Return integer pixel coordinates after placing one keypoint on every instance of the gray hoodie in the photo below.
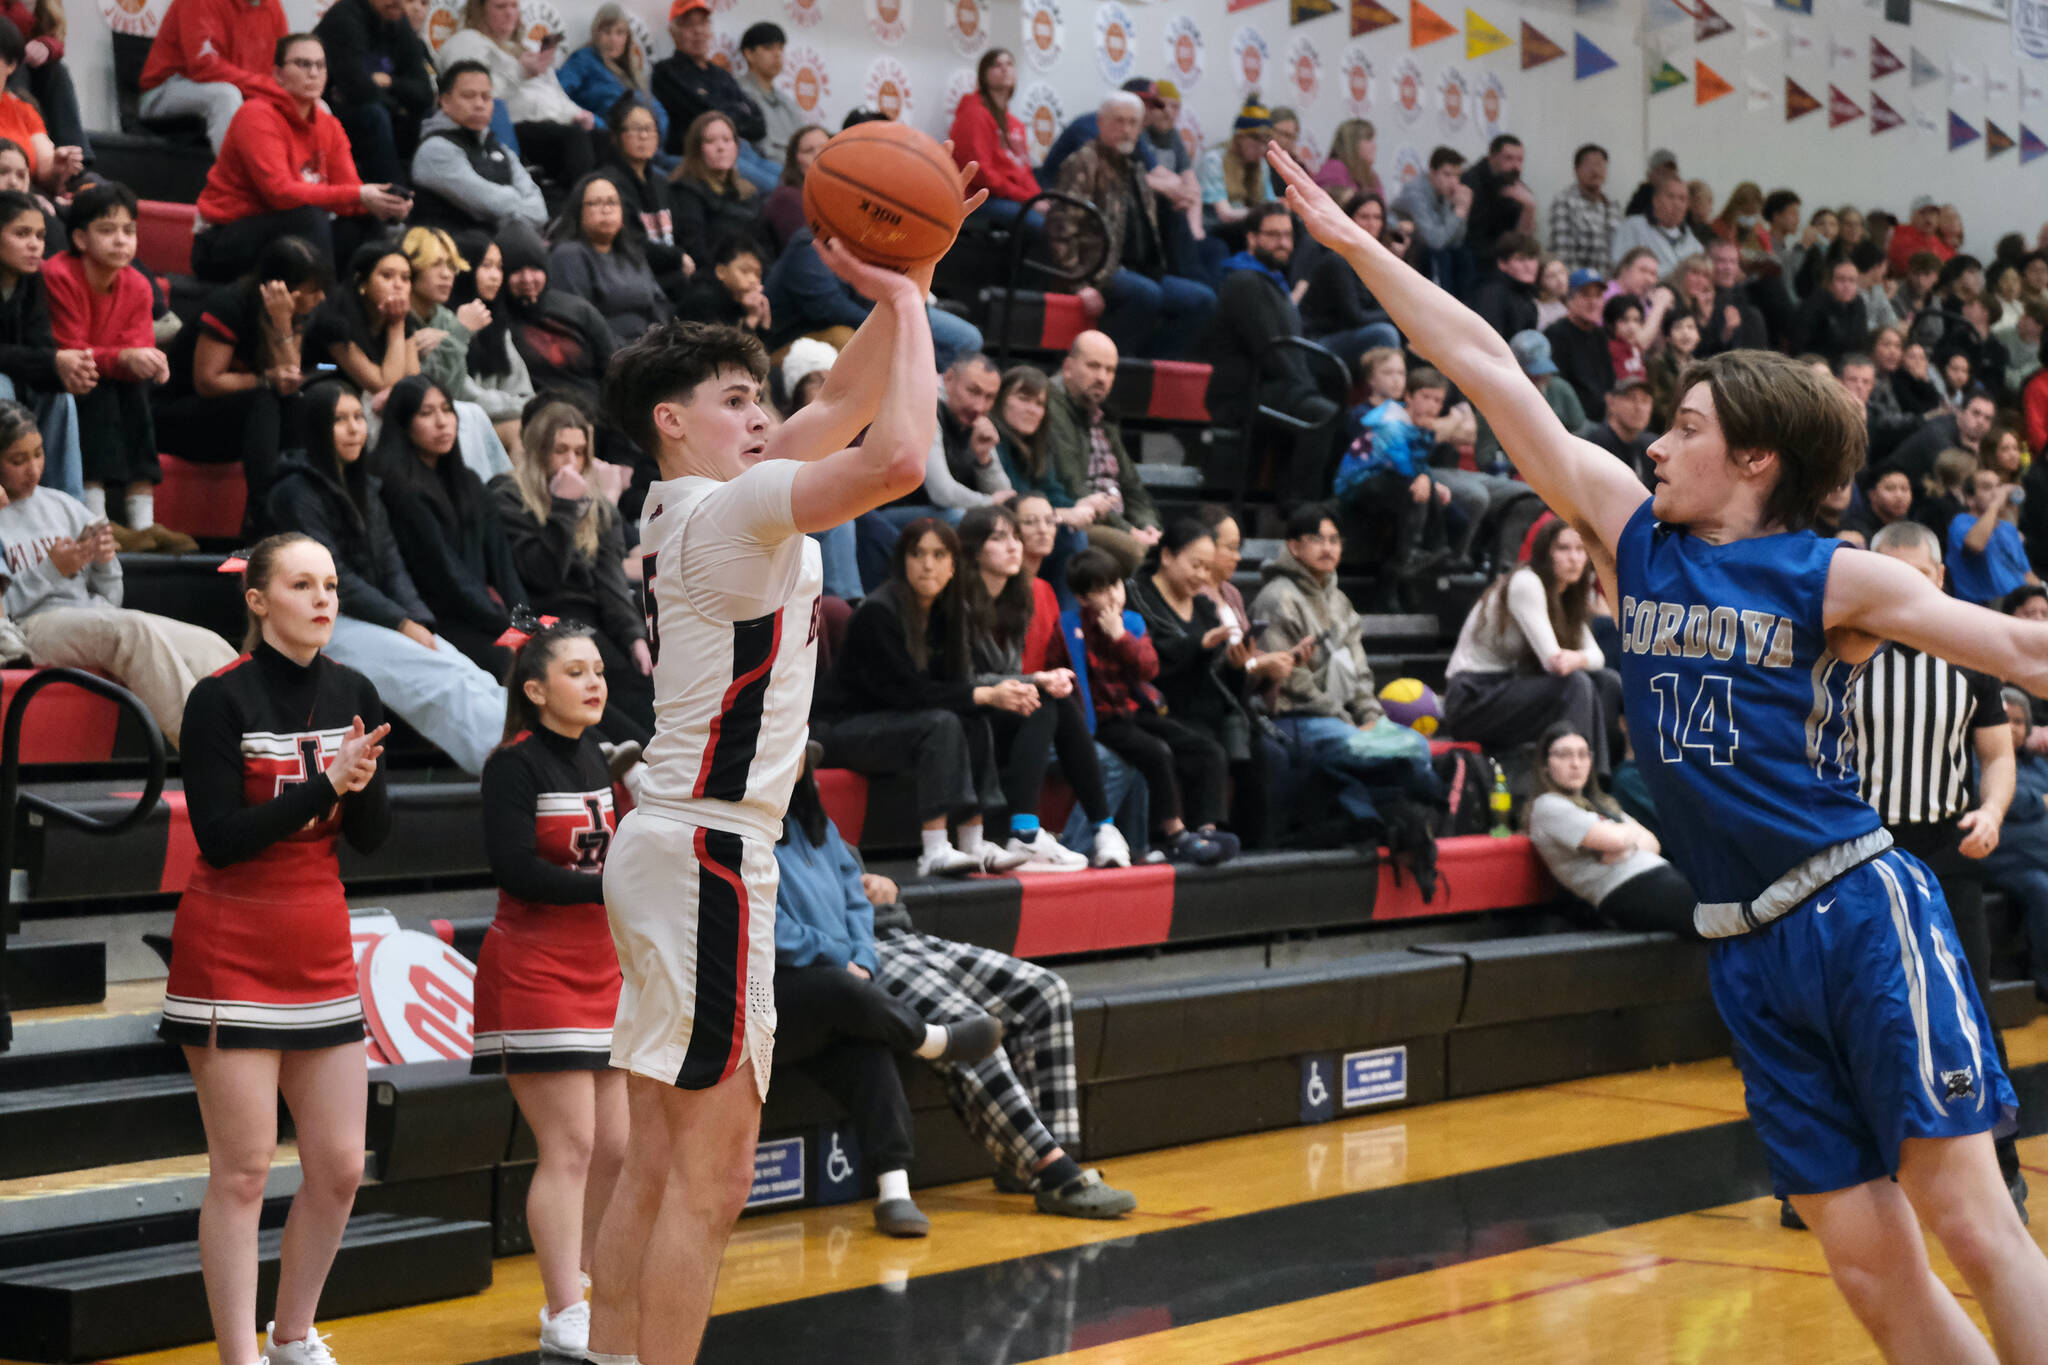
(1336, 681)
(28, 527)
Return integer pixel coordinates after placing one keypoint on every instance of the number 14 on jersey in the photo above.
(1704, 725)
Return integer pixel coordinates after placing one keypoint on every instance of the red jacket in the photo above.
(1908, 240)
(274, 160)
(2034, 403)
(230, 41)
(105, 324)
(22, 13)
(1004, 173)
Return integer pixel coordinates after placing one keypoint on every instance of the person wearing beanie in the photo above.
(804, 367)
(1233, 176)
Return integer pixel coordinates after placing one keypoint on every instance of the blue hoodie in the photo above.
(1244, 260)
(822, 917)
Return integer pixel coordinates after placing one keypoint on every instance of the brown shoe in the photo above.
(169, 542)
(130, 541)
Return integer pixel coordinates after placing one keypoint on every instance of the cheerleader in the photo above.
(547, 980)
(280, 756)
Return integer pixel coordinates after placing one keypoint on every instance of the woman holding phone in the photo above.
(553, 129)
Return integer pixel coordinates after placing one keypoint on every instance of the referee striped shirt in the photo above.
(1915, 717)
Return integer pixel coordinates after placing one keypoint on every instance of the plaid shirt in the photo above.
(1120, 671)
(1582, 233)
(1103, 470)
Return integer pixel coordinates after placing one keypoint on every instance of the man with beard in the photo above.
(1501, 203)
(1145, 308)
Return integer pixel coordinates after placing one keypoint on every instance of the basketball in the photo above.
(887, 191)
(1411, 702)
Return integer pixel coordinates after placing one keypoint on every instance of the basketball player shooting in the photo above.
(1865, 1051)
(733, 581)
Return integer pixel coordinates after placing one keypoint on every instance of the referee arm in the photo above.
(1998, 774)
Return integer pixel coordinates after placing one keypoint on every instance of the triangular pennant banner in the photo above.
(1756, 94)
(1997, 83)
(1587, 58)
(1924, 121)
(1924, 70)
(1960, 133)
(1842, 54)
(1962, 75)
(1883, 118)
(1798, 42)
(1708, 84)
(2031, 145)
(1666, 77)
(1482, 38)
(1301, 11)
(1841, 109)
(1709, 24)
(1798, 102)
(2033, 88)
(1664, 14)
(1757, 32)
(1426, 26)
(1883, 61)
(1996, 140)
(1369, 16)
(1537, 48)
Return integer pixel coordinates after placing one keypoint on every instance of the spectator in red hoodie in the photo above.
(285, 169)
(985, 131)
(209, 56)
(42, 74)
(1922, 232)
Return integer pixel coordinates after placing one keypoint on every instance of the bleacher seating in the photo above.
(163, 237)
(1040, 324)
(66, 724)
(205, 501)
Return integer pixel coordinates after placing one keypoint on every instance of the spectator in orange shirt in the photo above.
(209, 56)
(285, 170)
(52, 166)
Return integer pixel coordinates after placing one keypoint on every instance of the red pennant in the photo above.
(1709, 23)
(1798, 102)
(1883, 118)
(1841, 109)
(1537, 48)
(1369, 16)
(1883, 61)
(1426, 26)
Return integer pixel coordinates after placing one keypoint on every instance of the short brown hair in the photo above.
(1768, 402)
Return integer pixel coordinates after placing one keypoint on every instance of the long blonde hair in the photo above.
(1244, 182)
(627, 68)
(1345, 144)
(530, 471)
(473, 16)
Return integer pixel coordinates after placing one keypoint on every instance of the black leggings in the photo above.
(843, 1031)
(252, 425)
(1660, 899)
(564, 151)
(951, 757)
(1183, 768)
(1028, 743)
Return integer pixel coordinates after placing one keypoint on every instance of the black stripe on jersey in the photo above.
(1914, 716)
(719, 1022)
(736, 729)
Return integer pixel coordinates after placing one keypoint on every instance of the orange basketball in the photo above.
(887, 191)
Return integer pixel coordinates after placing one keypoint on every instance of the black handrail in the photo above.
(1020, 238)
(13, 800)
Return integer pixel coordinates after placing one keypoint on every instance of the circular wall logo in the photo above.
(805, 79)
(1304, 71)
(1042, 115)
(1115, 43)
(137, 18)
(1455, 99)
(1357, 79)
(890, 20)
(1249, 56)
(887, 88)
(1184, 52)
(1045, 32)
(967, 26)
(1408, 90)
(805, 13)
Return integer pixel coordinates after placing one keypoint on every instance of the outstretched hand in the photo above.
(1319, 213)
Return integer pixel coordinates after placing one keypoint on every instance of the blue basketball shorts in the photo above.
(1857, 1026)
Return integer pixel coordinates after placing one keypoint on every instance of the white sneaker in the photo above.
(948, 861)
(1043, 853)
(312, 1351)
(996, 858)
(1110, 848)
(567, 1331)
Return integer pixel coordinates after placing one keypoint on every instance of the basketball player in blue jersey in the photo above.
(732, 581)
(1865, 1052)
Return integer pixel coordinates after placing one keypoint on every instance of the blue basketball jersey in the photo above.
(1738, 711)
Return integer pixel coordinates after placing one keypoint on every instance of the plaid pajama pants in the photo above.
(1024, 1101)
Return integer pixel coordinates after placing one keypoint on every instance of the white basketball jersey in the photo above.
(732, 693)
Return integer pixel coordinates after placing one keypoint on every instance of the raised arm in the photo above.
(855, 385)
(1880, 597)
(1579, 481)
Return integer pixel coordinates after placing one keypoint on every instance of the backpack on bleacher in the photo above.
(1468, 785)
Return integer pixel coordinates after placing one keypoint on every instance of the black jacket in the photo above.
(375, 586)
(1583, 359)
(1830, 328)
(1252, 312)
(1337, 300)
(705, 218)
(650, 216)
(1917, 453)
(561, 580)
(1493, 215)
(872, 670)
(455, 561)
(1635, 454)
(1749, 335)
(1508, 305)
(28, 349)
(565, 342)
(686, 90)
(359, 45)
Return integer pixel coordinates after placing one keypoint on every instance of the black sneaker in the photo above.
(2018, 1188)
(972, 1040)
(1788, 1217)
(1190, 847)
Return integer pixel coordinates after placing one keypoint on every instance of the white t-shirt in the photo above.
(1557, 826)
(733, 587)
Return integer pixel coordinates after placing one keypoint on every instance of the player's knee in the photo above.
(1867, 1286)
(1980, 1237)
(237, 1177)
(333, 1181)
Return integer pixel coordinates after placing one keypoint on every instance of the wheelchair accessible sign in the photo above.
(1357, 1080)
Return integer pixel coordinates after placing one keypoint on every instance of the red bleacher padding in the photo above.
(1477, 872)
(845, 794)
(64, 724)
(204, 500)
(1179, 391)
(1085, 912)
(163, 238)
(1065, 319)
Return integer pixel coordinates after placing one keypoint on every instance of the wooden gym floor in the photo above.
(1619, 1219)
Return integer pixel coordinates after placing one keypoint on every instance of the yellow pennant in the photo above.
(1482, 37)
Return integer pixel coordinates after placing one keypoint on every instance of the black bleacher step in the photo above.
(98, 1123)
(44, 975)
(121, 1302)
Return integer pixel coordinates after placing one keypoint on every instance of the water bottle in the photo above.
(1500, 802)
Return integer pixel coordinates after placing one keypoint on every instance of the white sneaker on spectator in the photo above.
(947, 861)
(1110, 848)
(996, 858)
(1043, 853)
(567, 1331)
(311, 1351)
